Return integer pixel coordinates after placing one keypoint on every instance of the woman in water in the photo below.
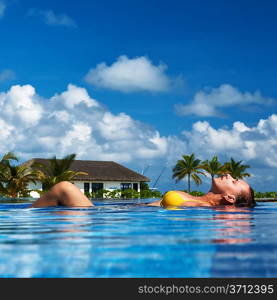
(225, 190)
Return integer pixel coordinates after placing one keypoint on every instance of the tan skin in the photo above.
(64, 194)
(224, 191)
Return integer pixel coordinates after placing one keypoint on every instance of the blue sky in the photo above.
(141, 82)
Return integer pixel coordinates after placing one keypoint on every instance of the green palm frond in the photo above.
(17, 180)
(56, 170)
(42, 169)
(9, 156)
(188, 167)
(196, 179)
(67, 161)
(213, 166)
(236, 169)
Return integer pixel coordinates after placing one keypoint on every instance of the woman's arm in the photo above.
(155, 203)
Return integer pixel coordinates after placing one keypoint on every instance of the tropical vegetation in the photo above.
(57, 170)
(236, 169)
(213, 167)
(192, 168)
(265, 194)
(144, 193)
(189, 167)
(14, 177)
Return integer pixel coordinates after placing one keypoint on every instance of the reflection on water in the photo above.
(236, 225)
(74, 221)
(119, 239)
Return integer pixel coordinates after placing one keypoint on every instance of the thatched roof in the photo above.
(99, 170)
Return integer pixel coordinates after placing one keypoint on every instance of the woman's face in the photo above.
(226, 184)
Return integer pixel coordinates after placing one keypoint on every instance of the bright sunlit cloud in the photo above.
(74, 122)
(241, 142)
(130, 75)
(208, 103)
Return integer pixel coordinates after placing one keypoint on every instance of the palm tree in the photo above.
(7, 157)
(5, 163)
(4, 170)
(190, 167)
(213, 167)
(14, 179)
(17, 182)
(236, 169)
(56, 171)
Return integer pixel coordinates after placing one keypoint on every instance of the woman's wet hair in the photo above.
(244, 200)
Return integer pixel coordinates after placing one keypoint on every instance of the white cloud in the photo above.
(20, 106)
(53, 19)
(256, 145)
(73, 122)
(130, 75)
(2, 9)
(158, 147)
(77, 137)
(7, 75)
(6, 130)
(74, 96)
(208, 103)
(118, 127)
(61, 115)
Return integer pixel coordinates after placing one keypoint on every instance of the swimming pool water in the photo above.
(123, 239)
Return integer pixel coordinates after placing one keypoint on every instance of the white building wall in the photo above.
(107, 185)
(112, 185)
(80, 184)
(32, 186)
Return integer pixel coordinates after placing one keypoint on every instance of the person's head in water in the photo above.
(233, 191)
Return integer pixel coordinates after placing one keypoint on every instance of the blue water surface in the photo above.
(125, 239)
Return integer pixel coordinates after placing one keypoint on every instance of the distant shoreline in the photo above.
(266, 199)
